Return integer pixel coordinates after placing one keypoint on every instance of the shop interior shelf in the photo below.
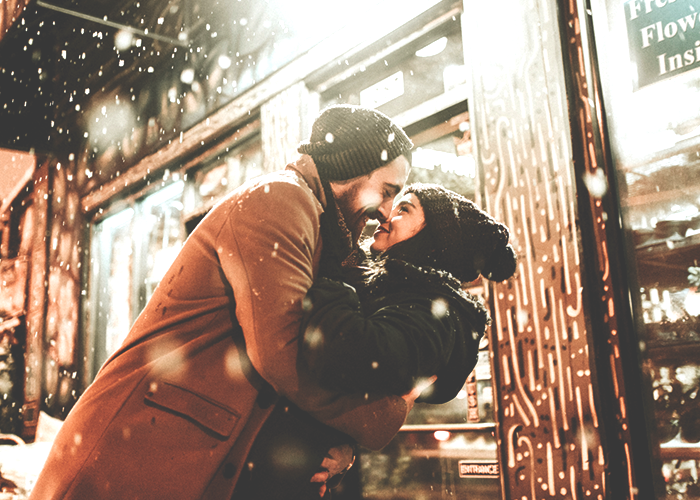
(679, 451)
(665, 262)
(670, 351)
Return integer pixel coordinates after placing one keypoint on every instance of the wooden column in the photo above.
(36, 303)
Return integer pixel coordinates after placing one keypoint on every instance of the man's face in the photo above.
(370, 196)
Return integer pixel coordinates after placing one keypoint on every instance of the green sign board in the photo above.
(664, 38)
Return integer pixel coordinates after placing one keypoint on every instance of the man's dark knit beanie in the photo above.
(351, 141)
(467, 241)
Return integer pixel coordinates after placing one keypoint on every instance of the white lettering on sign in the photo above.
(468, 468)
(663, 38)
(658, 32)
(636, 6)
(677, 61)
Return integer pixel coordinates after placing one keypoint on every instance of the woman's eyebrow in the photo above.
(405, 202)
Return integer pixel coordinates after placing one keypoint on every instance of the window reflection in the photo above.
(473, 404)
(161, 222)
(446, 160)
(112, 271)
(423, 75)
(227, 172)
(132, 250)
(430, 464)
(654, 134)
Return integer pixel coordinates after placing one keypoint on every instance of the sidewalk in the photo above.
(21, 463)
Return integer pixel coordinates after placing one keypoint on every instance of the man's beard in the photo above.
(355, 221)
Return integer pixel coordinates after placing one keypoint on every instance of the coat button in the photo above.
(229, 470)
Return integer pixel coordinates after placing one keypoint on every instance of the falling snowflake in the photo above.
(439, 308)
(596, 183)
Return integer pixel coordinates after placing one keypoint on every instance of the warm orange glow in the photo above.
(442, 435)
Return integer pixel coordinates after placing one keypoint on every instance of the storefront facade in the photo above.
(586, 385)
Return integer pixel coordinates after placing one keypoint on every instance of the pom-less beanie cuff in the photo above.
(351, 141)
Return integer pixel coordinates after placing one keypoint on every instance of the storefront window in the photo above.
(443, 155)
(429, 72)
(433, 464)
(112, 280)
(161, 225)
(227, 172)
(649, 64)
(132, 249)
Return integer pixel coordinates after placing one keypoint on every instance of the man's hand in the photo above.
(338, 460)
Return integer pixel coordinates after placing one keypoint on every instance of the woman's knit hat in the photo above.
(466, 240)
(351, 141)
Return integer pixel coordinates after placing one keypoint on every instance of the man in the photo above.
(175, 411)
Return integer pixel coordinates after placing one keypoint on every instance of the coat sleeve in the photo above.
(267, 251)
(386, 351)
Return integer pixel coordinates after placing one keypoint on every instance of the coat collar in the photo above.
(305, 167)
(393, 274)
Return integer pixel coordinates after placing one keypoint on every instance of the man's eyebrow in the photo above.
(393, 187)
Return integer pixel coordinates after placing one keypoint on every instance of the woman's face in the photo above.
(405, 221)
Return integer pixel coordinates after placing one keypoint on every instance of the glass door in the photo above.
(449, 450)
(649, 58)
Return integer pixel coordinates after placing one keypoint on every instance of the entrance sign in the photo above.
(664, 38)
(478, 468)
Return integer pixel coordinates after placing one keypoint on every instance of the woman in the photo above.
(387, 327)
(361, 339)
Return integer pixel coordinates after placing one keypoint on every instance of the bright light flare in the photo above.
(110, 123)
(224, 62)
(123, 40)
(442, 435)
(187, 76)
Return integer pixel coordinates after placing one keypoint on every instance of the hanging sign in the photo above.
(664, 38)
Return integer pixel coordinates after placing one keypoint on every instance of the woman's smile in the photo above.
(406, 220)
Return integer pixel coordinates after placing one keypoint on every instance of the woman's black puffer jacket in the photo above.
(397, 325)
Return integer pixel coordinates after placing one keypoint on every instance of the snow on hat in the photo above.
(467, 241)
(351, 141)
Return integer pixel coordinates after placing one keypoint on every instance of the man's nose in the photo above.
(384, 211)
(378, 214)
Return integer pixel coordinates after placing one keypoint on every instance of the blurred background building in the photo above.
(575, 123)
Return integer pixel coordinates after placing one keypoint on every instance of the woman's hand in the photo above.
(411, 397)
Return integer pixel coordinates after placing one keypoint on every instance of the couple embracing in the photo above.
(275, 344)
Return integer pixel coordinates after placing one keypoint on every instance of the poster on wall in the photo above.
(664, 38)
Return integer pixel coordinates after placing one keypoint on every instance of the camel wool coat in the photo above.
(173, 413)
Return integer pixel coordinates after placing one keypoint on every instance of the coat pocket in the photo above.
(205, 412)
